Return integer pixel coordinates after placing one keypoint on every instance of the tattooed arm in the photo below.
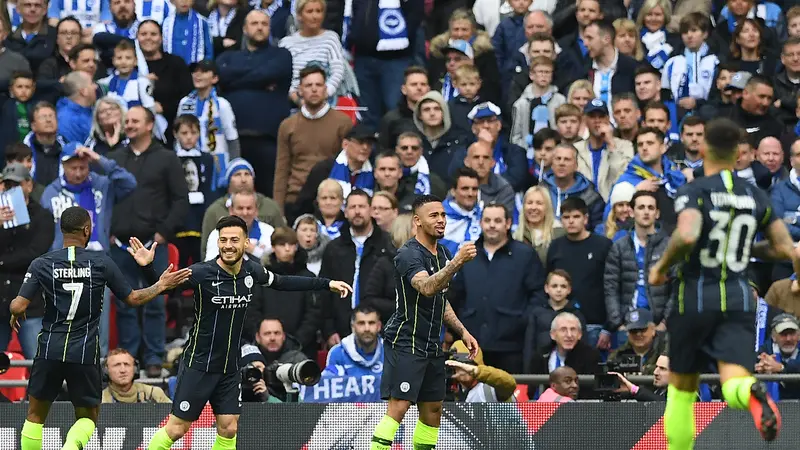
(429, 285)
(452, 321)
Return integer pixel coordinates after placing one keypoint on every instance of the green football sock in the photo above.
(425, 436)
(160, 441)
(679, 419)
(80, 433)
(223, 443)
(736, 392)
(384, 434)
(31, 438)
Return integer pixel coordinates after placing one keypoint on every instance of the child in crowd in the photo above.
(540, 152)
(468, 82)
(558, 287)
(330, 201)
(536, 107)
(16, 112)
(793, 21)
(186, 33)
(218, 134)
(568, 123)
(508, 38)
(689, 76)
(126, 82)
(311, 240)
(457, 53)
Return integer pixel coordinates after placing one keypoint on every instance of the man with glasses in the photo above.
(417, 178)
(787, 85)
(34, 38)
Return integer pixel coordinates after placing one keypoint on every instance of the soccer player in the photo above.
(73, 280)
(413, 367)
(209, 367)
(713, 317)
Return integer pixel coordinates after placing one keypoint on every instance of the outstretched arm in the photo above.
(169, 280)
(296, 283)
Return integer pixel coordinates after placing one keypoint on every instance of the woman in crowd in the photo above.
(620, 217)
(537, 224)
(108, 125)
(384, 209)
(225, 22)
(659, 44)
(380, 290)
(627, 39)
(462, 26)
(311, 240)
(330, 202)
(68, 36)
(313, 43)
(749, 50)
(580, 93)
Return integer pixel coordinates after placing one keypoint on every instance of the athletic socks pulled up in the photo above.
(80, 433)
(736, 392)
(425, 436)
(384, 434)
(160, 441)
(223, 443)
(31, 436)
(679, 419)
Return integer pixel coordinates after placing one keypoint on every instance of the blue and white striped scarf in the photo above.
(423, 183)
(500, 165)
(118, 85)
(128, 32)
(14, 16)
(191, 49)
(462, 226)
(364, 178)
(392, 29)
(692, 69)
(658, 50)
(217, 27)
(333, 231)
(449, 91)
(762, 330)
(347, 22)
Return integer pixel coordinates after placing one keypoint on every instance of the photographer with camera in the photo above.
(643, 340)
(254, 389)
(277, 347)
(120, 367)
(660, 383)
(479, 383)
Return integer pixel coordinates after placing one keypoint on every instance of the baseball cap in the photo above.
(783, 322)
(484, 110)
(69, 151)
(460, 46)
(739, 80)
(206, 65)
(362, 132)
(596, 105)
(16, 172)
(638, 319)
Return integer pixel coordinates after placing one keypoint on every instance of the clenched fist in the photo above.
(466, 253)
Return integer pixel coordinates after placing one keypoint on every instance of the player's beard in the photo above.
(238, 254)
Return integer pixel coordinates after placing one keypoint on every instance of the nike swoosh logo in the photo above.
(215, 284)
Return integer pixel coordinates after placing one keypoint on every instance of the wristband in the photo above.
(634, 389)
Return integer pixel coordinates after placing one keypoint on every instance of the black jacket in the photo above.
(160, 202)
(300, 312)
(394, 123)
(235, 31)
(541, 318)
(583, 358)
(18, 248)
(338, 263)
(379, 292)
(623, 79)
(174, 82)
(757, 127)
(786, 92)
(290, 353)
(38, 48)
(405, 190)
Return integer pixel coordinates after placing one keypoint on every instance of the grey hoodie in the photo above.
(437, 97)
(498, 190)
(521, 113)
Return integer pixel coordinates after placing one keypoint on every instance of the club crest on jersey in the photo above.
(248, 281)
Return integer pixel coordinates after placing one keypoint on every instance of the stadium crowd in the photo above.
(556, 131)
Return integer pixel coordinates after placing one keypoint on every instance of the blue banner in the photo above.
(346, 389)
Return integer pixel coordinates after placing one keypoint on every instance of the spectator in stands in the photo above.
(643, 340)
(311, 240)
(697, 60)
(125, 82)
(10, 60)
(75, 111)
(108, 125)
(46, 143)
(21, 153)
(770, 154)
(244, 204)
(462, 27)
(659, 44)
(557, 288)
(34, 38)
(16, 109)
(440, 141)
(785, 195)
(120, 367)
(493, 189)
(68, 32)
(384, 210)
(277, 346)
(280, 15)
(168, 73)
(602, 158)
(379, 291)
(162, 186)
(735, 12)
(254, 391)
(660, 382)
(536, 108)
(479, 382)
(612, 72)
(186, 33)
(537, 222)
(500, 316)
(388, 173)
(657, 115)
(467, 81)
(225, 23)
(351, 168)
(569, 123)
(330, 204)
(582, 255)
(463, 210)
(361, 352)
(586, 12)
(313, 134)
(627, 116)
(729, 85)
(580, 93)
(417, 178)
(563, 386)
(564, 181)
(539, 153)
(382, 50)
(351, 256)
(401, 119)
(299, 311)
(19, 246)
(749, 49)
(260, 74)
(240, 177)
(779, 355)
(565, 349)
(686, 153)
(508, 38)
(89, 13)
(620, 215)
(627, 39)
(753, 112)
(122, 26)
(83, 58)
(312, 45)
(786, 85)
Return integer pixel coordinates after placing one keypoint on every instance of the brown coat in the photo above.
(780, 296)
(301, 144)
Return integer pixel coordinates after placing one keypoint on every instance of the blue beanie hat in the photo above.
(236, 165)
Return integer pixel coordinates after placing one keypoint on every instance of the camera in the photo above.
(605, 382)
(305, 372)
(251, 374)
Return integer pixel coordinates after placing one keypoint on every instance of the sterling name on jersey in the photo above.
(220, 304)
(73, 281)
(417, 325)
(714, 276)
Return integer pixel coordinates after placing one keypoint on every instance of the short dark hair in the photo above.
(542, 37)
(655, 104)
(692, 121)
(21, 74)
(125, 45)
(17, 152)
(69, 19)
(465, 171)
(387, 154)
(639, 194)
(148, 114)
(424, 200)
(76, 51)
(723, 136)
(574, 204)
(283, 235)
(311, 69)
(189, 120)
(561, 273)
(40, 106)
(605, 27)
(151, 22)
(646, 68)
(544, 135)
(756, 80)
(645, 130)
(414, 70)
(363, 309)
(358, 193)
(494, 204)
(622, 96)
(730, 66)
(231, 221)
(73, 219)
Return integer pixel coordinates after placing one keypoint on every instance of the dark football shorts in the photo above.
(697, 341)
(84, 382)
(195, 388)
(412, 377)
